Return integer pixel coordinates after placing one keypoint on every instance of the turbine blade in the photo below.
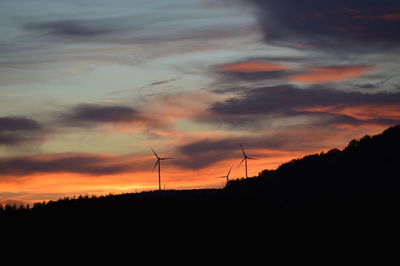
(241, 162)
(168, 158)
(244, 154)
(157, 162)
(250, 158)
(227, 176)
(155, 153)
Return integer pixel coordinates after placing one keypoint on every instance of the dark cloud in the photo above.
(160, 82)
(72, 28)
(226, 89)
(92, 114)
(329, 24)
(200, 154)
(355, 122)
(20, 130)
(65, 163)
(18, 124)
(254, 108)
(287, 99)
(367, 86)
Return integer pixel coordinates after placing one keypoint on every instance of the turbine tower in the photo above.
(158, 162)
(227, 176)
(245, 158)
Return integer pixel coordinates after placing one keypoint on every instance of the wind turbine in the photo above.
(158, 162)
(226, 176)
(245, 158)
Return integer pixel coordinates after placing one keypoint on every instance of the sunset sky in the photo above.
(88, 86)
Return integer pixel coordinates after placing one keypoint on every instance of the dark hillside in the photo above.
(365, 173)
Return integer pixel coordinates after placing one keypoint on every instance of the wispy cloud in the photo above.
(134, 29)
(160, 82)
(112, 101)
(74, 28)
(149, 85)
(330, 74)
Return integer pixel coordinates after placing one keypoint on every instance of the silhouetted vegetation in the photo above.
(365, 174)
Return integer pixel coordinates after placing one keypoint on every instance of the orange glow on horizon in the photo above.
(44, 186)
(52, 186)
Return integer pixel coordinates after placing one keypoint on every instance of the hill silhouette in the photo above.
(365, 174)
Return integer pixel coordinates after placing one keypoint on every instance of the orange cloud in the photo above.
(360, 112)
(253, 66)
(330, 74)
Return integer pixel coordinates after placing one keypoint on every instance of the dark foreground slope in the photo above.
(364, 175)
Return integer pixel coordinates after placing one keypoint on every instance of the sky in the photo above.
(88, 86)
